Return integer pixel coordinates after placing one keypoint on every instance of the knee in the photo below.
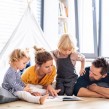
(61, 92)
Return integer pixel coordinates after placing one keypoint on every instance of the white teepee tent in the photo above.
(27, 34)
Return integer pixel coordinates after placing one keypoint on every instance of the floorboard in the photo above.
(86, 103)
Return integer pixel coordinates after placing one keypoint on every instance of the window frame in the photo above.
(87, 55)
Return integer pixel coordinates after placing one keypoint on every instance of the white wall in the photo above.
(51, 22)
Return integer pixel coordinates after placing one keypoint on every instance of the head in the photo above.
(19, 59)
(43, 60)
(66, 46)
(99, 69)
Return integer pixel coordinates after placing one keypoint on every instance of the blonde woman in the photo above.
(12, 81)
(66, 57)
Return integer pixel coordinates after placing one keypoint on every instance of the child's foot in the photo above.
(43, 98)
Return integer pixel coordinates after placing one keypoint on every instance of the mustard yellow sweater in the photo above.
(30, 77)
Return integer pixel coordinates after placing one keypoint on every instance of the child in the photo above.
(12, 81)
(66, 57)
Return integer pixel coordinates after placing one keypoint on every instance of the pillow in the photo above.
(6, 96)
(103, 84)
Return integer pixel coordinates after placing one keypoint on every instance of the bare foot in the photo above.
(43, 98)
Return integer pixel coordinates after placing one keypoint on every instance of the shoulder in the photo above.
(10, 71)
(78, 56)
(86, 75)
(55, 53)
(31, 67)
(29, 70)
(74, 56)
(87, 69)
(28, 73)
(106, 79)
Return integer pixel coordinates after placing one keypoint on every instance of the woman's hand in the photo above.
(52, 91)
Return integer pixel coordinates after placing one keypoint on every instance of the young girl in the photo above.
(66, 57)
(13, 83)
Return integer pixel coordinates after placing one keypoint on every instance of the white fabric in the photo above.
(37, 88)
(27, 96)
(27, 34)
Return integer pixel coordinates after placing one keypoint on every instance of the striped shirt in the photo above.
(12, 81)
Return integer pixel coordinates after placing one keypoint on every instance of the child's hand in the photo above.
(36, 93)
(27, 88)
(82, 71)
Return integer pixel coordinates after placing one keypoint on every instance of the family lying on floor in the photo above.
(35, 84)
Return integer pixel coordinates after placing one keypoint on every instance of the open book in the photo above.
(64, 98)
(71, 98)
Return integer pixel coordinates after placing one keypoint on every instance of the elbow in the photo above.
(79, 94)
(106, 96)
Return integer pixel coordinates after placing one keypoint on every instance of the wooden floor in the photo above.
(86, 103)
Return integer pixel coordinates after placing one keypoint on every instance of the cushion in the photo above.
(103, 84)
(6, 96)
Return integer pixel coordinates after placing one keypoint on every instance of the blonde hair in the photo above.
(66, 43)
(18, 54)
(42, 56)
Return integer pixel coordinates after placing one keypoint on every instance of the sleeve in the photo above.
(80, 57)
(83, 81)
(54, 54)
(14, 82)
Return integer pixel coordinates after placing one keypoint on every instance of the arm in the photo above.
(50, 80)
(84, 92)
(100, 90)
(51, 90)
(54, 54)
(82, 59)
(82, 70)
(79, 57)
(15, 81)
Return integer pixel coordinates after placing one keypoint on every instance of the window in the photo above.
(11, 12)
(86, 29)
(104, 28)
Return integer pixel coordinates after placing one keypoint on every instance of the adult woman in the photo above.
(42, 73)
